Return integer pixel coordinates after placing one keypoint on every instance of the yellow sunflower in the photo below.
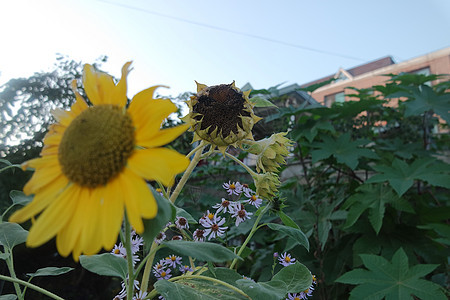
(94, 164)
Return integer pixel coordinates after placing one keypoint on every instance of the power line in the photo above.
(236, 32)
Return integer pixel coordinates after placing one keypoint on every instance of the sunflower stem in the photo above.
(10, 263)
(127, 243)
(250, 235)
(31, 286)
(188, 172)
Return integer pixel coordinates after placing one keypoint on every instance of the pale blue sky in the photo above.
(213, 42)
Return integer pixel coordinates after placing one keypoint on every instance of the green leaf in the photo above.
(195, 289)
(372, 197)
(4, 256)
(19, 198)
(203, 251)
(401, 176)
(50, 271)
(393, 280)
(8, 297)
(295, 233)
(343, 149)
(424, 99)
(261, 102)
(166, 213)
(105, 264)
(297, 277)
(272, 290)
(224, 274)
(287, 220)
(182, 213)
(12, 234)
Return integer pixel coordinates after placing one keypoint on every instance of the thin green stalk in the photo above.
(10, 264)
(148, 266)
(250, 235)
(127, 244)
(250, 171)
(31, 286)
(188, 172)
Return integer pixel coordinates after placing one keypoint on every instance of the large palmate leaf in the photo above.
(373, 197)
(391, 279)
(401, 176)
(425, 99)
(343, 149)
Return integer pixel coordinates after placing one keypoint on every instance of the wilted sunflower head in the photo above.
(266, 184)
(270, 151)
(221, 114)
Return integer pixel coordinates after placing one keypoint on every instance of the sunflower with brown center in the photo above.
(94, 165)
(221, 115)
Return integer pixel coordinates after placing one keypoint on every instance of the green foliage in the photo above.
(105, 264)
(11, 235)
(369, 177)
(202, 251)
(391, 280)
(50, 271)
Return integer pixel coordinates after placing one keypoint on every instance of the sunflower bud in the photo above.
(266, 184)
(221, 114)
(270, 151)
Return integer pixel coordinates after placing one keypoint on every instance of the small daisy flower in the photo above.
(185, 268)
(233, 188)
(248, 278)
(160, 237)
(213, 227)
(136, 243)
(199, 235)
(241, 215)
(294, 296)
(181, 223)
(286, 259)
(164, 274)
(224, 206)
(140, 295)
(275, 255)
(159, 267)
(119, 250)
(177, 238)
(252, 199)
(172, 261)
(206, 218)
(123, 292)
(245, 189)
(160, 191)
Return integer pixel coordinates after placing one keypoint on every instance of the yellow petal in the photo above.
(53, 218)
(131, 203)
(120, 93)
(99, 86)
(40, 201)
(159, 164)
(162, 137)
(111, 212)
(148, 113)
(43, 176)
(90, 237)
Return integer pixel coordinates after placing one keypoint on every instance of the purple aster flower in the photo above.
(172, 261)
(164, 274)
(181, 223)
(184, 269)
(214, 227)
(199, 235)
(233, 188)
(241, 215)
(286, 259)
(224, 206)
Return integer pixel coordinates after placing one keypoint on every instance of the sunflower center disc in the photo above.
(221, 108)
(96, 145)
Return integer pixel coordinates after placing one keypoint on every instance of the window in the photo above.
(337, 97)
